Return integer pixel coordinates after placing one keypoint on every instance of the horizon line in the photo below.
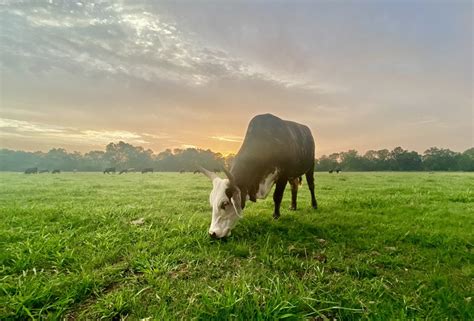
(216, 152)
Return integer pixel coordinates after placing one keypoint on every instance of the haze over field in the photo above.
(362, 75)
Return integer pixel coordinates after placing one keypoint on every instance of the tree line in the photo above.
(399, 159)
(123, 156)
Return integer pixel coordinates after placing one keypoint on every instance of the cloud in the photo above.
(58, 134)
(233, 139)
(120, 39)
(28, 127)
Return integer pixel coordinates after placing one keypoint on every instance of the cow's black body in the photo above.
(274, 144)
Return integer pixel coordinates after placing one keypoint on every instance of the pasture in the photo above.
(380, 246)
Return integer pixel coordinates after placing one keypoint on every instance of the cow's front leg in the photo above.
(278, 195)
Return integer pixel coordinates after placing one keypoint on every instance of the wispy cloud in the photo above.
(122, 39)
(425, 121)
(34, 130)
(28, 127)
(233, 139)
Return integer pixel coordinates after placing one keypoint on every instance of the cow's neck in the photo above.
(253, 178)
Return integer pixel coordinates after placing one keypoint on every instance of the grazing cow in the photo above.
(110, 170)
(196, 171)
(123, 171)
(182, 171)
(56, 171)
(331, 171)
(32, 170)
(338, 170)
(147, 170)
(44, 171)
(274, 151)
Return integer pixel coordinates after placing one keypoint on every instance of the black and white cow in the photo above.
(147, 170)
(274, 151)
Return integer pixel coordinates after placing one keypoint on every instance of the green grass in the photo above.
(381, 246)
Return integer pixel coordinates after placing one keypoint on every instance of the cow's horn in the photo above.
(209, 174)
(229, 175)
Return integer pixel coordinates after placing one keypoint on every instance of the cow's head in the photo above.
(225, 199)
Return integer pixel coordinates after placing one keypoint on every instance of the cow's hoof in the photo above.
(276, 216)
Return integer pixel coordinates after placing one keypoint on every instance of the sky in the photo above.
(176, 74)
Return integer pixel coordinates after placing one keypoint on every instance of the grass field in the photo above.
(381, 246)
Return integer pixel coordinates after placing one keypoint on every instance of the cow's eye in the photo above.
(224, 204)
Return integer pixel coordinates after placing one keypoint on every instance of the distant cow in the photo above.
(182, 171)
(32, 170)
(44, 171)
(110, 170)
(274, 151)
(331, 171)
(338, 170)
(196, 171)
(56, 171)
(123, 171)
(147, 170)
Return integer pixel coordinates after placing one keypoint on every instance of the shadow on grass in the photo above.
(292, 230)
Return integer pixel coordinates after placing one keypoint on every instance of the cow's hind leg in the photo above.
(310, 180)
(294, 183)
(278, 195)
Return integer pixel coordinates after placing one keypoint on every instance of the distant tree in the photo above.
(440, 159)
(56, 158)
(403, 160)
(466, 160)
(327, 163)
(370, 160)
(383, 159)
(351, 160)
(18, 160)
(94, 161)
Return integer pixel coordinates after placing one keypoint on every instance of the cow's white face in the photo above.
(226, 207)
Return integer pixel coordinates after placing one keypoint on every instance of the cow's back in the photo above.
(273, 142)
